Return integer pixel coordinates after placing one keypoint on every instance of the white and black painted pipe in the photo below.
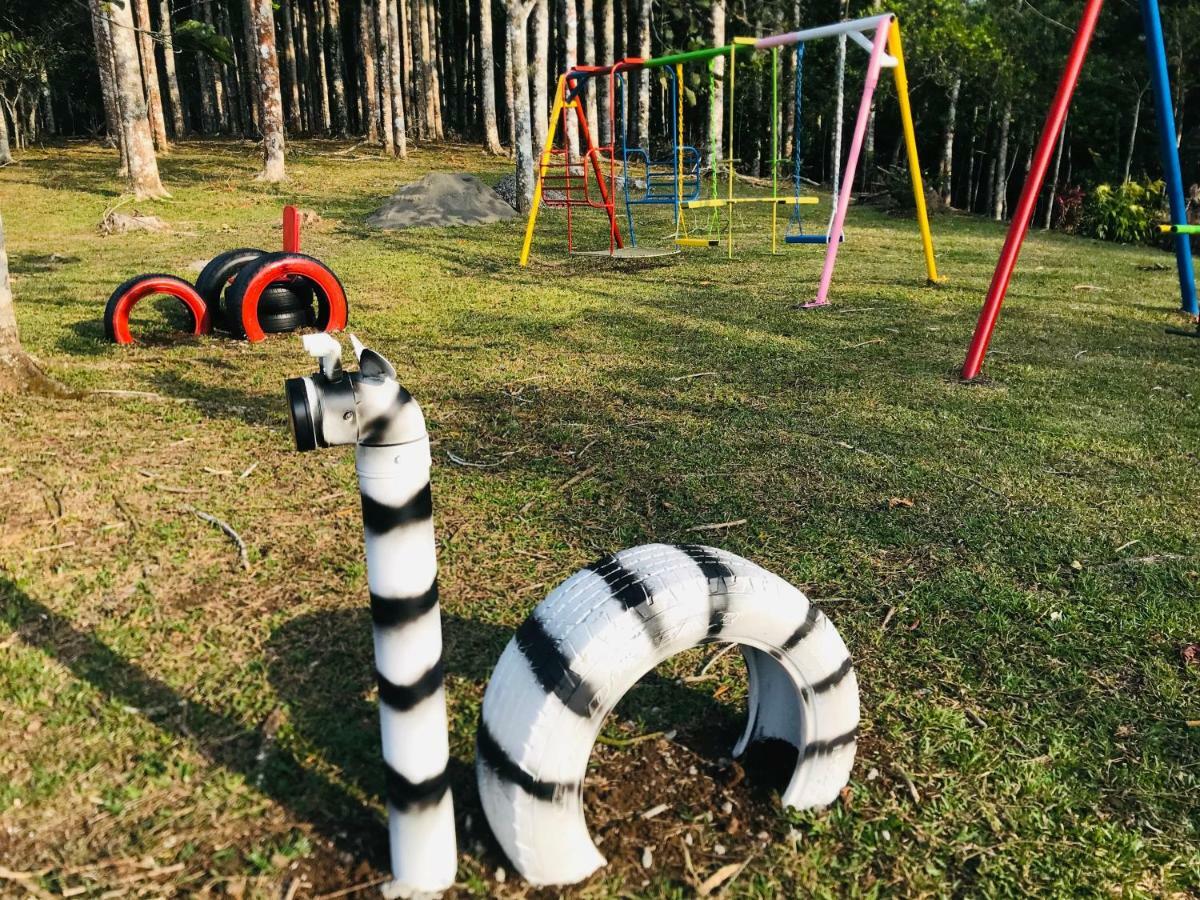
(371, 410)
(604, 628)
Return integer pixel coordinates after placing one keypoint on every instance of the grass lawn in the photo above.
(1014, 565)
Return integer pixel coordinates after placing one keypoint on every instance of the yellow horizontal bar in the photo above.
(782, 201)
(745, 40)
(698, 242)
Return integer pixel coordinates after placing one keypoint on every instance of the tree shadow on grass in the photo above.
(221, 737)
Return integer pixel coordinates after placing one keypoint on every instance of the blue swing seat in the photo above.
(810, 238)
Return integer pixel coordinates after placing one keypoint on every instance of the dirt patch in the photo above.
(439, 200)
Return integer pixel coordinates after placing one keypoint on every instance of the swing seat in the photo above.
(697, 242)
(810, 238)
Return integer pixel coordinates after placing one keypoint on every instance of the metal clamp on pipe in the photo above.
(371, 410)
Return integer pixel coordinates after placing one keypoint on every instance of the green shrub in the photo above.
(1125, 214)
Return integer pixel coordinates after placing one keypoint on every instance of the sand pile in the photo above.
(440, 199)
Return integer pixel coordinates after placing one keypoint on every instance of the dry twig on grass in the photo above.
(718, 526)
(243, 555)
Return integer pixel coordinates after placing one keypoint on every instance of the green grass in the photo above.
(1013, 565)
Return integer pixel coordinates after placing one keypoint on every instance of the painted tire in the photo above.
(127, 295)
(241, 299)
(605, 627)
(283, 322)
(220, 271)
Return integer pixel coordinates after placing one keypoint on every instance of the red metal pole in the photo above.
(291, 229)
(1029, 193)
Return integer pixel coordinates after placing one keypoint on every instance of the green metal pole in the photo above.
(774, 143)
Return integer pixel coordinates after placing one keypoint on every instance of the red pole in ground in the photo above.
(1029, 193)
(291, 229)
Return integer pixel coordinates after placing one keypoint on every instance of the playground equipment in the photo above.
(565, 178)
(245, 292)
(566, 667)
(1156, 57)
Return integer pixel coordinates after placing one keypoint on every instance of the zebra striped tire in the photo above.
(130, 293)
(605, 627)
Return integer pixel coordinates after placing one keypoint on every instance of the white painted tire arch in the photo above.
(605, 627)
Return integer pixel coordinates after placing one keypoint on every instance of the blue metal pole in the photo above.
(1156, 55)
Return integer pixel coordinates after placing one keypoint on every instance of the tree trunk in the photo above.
(839, 105)
(214, 71)
(643, 76)
(108, 89)
(518, 15)
(384, 75)
(1058, 153)
(17, 371)
(178, 120)
(946, 164)
(510, 103)
(1001, 189)
(316, 42)
(588, 58)
(1133, 130)
(145, 42)
(294, 118)
(418, 90)
(135, 121)
(251, 103)
(236, 81)
(541, 49)
(304, 68)
(46, 100)
(716, 103)
(5, 149)
(395, 70)
(433, 85)
(487, 66)
(336, 60)
(368, 49)
(570, 58)
(270, 116)
(606, 53)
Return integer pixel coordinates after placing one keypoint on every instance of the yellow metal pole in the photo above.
(910, 139)
(729, 149)
(543, 165)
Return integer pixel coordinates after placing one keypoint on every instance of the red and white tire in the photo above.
(604, 628)
(241, 299)
(127, 295)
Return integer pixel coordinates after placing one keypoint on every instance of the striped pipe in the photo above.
(393, 461)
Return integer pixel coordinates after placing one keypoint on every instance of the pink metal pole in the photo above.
(860, 130)
(1029, 193)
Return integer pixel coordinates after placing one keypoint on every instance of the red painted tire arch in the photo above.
(243, 295)
(127, 295)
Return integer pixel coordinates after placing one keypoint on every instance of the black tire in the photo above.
(317, 318)
(219, 272)
(294, 295)
(280, 322)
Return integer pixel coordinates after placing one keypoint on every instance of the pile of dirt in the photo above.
(441, 199)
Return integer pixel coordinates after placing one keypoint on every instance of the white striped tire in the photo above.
(604, 628)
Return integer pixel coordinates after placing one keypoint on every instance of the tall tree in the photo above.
(215, 72)
(540, 71)
(104, 65)
(946, 163)
(383, 74)
(135, 120)
(5, 150)
(336, 61)
(368, 48)
(570, 58)
(395, 71)
(643, 120)
(587, 12)
(607, 53)
(429, 75)
(154, 105)
(716, 103)
(487, 81)
(271, 98)
(166, 37)
(1000, 191)
(288, 30)
(518, 15)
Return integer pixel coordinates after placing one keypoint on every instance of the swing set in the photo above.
(591, 175)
